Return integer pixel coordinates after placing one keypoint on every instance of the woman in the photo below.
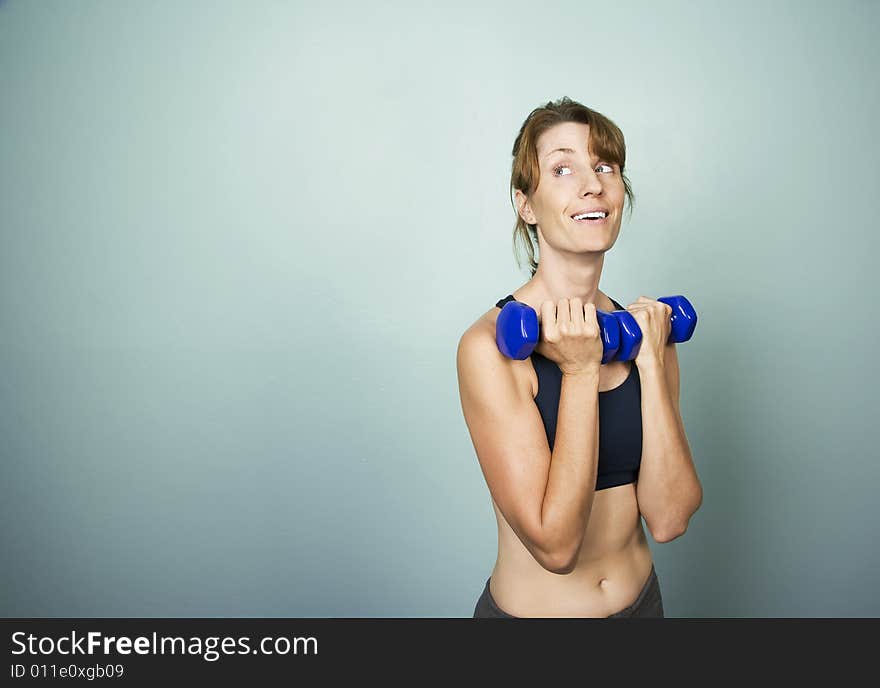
(575, 452)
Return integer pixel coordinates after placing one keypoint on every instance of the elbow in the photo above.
(560, 565)
(670, 531)
(667, 534)
(662, 532)
(561, 556)
(561, 562)
(555, 560)
(667, 531)
(564, 558)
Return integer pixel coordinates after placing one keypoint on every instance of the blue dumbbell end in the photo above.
(516, 330)
(684, 318)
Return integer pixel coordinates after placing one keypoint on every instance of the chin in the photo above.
(601, 243)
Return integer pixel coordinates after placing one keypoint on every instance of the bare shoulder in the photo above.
(479, 338)
(477, 345)
(483, 328)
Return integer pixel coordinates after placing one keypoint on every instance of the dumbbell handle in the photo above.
(517, 329)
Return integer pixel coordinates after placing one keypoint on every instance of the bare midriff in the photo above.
(613, 565)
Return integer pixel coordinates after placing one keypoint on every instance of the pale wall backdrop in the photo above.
(240, 242)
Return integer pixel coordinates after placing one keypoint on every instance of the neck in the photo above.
(565, 276)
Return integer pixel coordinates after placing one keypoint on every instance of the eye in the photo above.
(566, 167)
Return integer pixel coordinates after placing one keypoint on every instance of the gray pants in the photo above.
(649, 603)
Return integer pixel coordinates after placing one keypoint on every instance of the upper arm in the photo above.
(509, 438)
(673, 382)
(670, 364)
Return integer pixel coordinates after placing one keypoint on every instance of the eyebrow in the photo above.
(561, 150)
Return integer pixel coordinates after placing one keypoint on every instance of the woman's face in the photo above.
(573, 181)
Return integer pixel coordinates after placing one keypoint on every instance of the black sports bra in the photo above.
(620, 418)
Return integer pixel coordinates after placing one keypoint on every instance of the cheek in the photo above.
(616, 189)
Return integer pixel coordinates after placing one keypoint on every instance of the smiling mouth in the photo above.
(588, 221)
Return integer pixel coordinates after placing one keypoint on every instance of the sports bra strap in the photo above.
(509, 297)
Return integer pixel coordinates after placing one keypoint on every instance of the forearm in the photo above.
(571, 483)
(668, 489)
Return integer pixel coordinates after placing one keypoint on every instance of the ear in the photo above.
(522, 204)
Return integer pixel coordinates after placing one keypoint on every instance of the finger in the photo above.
(545, 309)
(591, 321)
(548, 318)
(658, 306)
(576, 310)
(563, 312)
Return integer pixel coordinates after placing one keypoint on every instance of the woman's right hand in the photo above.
(570, 336)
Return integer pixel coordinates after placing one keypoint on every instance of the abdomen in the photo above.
(613, 563)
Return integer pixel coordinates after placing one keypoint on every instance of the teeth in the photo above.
(593, 216)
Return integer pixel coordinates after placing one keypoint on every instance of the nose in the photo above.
(591, 183)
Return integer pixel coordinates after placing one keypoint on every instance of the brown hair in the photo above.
(606, 141)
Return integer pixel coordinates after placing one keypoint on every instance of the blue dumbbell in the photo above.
(684, 321)
(517, 331)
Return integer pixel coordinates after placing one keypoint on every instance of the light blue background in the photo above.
(240, 242)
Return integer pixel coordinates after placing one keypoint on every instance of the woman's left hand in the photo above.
(654, 319)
